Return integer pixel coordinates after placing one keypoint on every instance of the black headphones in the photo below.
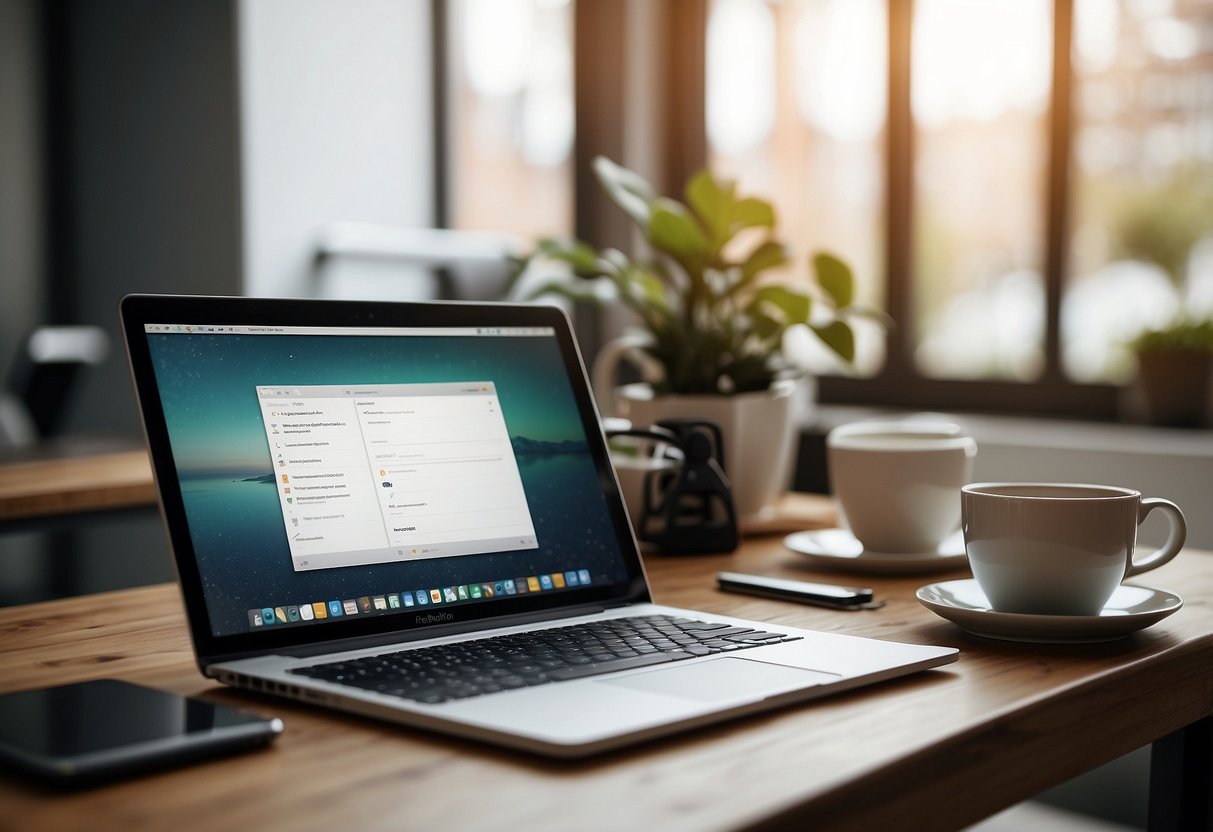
(689, 507)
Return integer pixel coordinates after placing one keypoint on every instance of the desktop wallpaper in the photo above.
(208, 393)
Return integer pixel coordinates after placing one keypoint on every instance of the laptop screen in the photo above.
(394, 476)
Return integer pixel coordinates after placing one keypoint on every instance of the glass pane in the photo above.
(980, 91)
(511, 116)
(796, 112)
(1141, 247)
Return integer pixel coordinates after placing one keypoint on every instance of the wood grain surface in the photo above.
(938, 750)
(75, 484)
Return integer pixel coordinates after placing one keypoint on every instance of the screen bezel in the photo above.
(136, 311)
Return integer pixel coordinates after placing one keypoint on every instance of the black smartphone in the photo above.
(103, 729)
(806, 592)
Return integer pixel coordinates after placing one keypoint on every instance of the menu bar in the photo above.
(214, 329)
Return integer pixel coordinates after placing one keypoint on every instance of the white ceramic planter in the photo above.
(759, 431)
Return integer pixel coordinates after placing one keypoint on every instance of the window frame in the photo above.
(900, 383)
(602, 48)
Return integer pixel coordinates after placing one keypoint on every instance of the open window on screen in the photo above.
(394, 472)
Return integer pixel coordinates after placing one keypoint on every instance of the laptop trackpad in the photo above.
(723, 679)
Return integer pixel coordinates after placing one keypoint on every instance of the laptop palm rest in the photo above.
(723, 680)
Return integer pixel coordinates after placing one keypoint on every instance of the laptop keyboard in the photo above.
(472, 668)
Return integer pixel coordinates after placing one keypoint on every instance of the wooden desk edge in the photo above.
(940, 777)
(74, 485)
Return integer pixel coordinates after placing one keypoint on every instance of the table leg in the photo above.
(1181, 780)
(63, 548)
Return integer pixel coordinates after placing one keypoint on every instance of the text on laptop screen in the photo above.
(369, 474)
(358, 471)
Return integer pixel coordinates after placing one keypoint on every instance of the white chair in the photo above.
(381, 262)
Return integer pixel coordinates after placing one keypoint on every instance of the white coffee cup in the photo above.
(897, 483)
(1059, 548)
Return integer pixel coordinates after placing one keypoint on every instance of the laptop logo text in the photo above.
(434, 618)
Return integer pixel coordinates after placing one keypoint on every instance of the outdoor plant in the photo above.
(1185, 335)
(716, 321)
(1174, 367)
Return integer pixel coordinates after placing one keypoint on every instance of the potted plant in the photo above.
(1174, 367)
(712, 324)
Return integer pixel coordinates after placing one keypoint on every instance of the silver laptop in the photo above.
(407, 511)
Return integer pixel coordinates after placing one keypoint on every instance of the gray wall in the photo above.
(119, 172)
(148, 117)
(127, 165)
(200, 146)
(21, 203)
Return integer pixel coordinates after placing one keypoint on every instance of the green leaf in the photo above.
(577, 254)
(752, 213)
(652, 289)
(627, 189)
(838, 337)
(835, 279)
(613, 258)
(750, 374)
(877, 316)
(794, 305)
(673, 230)
(643, 294)
(765, 326)
(715, 202)
(766, 256)
(712, 201)
(584, 293)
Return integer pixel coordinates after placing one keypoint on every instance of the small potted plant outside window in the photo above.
(1175, 368)
(1162, 223)
(713, 325)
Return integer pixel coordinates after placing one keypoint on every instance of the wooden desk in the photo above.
(934, 751)
(75, 483)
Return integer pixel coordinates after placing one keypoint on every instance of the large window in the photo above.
(1141, 242)
(1022, 184)
(796, 112)
(979, 93)
(509, 119)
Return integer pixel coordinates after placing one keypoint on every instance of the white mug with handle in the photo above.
(1059, 548)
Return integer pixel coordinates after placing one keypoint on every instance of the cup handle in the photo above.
(1175, 540)
(604, 372)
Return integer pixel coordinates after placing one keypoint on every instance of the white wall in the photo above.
(335, 104)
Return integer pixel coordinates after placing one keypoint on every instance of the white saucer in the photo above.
(838, 549)
(1131, 608)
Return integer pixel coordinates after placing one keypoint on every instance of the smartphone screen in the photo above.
(106, 728)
